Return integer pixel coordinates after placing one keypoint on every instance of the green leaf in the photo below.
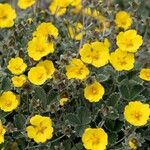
(102, 77)
(19, 121)
(114, 125)
(136, 90)
(80, 129)
(130, 91)
(73, 119)
(84, 115)
(52, 97)
(125, 91)
(112, 138)
(113, 99)
(67, 144)
(39, 93)
(78, 146)
(6, 84)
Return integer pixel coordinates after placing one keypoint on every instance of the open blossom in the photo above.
(24, 4)
(58, 7)
(133, 113)
(75, 31)
(2, 132)
(129, 41)
(49, 67)
(96, 53)
(7, 15)
(95, 139)
(19, 81)
(9, 101)
(123, 20)
(38, 48)
(37, 75)
(16, 65)
(46, 30)
(145, 74)
(122, 60)
(40, 129)
(76, 69)
(94, 92)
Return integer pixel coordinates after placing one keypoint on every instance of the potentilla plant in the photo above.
(74, 75)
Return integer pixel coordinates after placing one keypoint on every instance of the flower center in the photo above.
(94, 91)
(130, 43)
(147, 74)
(122, 63)
(137, 116)
(4, 17)
(8, 103)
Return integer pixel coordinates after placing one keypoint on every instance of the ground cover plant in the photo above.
(74, 75)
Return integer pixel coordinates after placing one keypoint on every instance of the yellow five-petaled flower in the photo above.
(95, 139)
(9, 101)
(96, 53)
(137, 113)
(123, 20)
(40, 129)
(76, 69)
(129, 41)
(16, 65)
(94, 92)
(7, 15)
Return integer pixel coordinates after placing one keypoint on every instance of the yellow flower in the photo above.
(16, 65)
(94, 92)
(7, 15)
(40, 129)
(19, 81)
(96, 53)
(76, 31)
(145, 74)
(46, 30)
(49, 67)
(2, 132)
(77, 5)
(24, 4)
(38, 48)
(129, 41)
(137, 113)
(77, 69)
(58, 7)
(9, 101)
(37, 75)
(122, 60)
(95, 139)
(133, 143)
(123, 20)
(63, 101)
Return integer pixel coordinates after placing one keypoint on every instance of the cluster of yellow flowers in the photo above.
(95, 53)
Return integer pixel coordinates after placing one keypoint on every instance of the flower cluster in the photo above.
(86, 82)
